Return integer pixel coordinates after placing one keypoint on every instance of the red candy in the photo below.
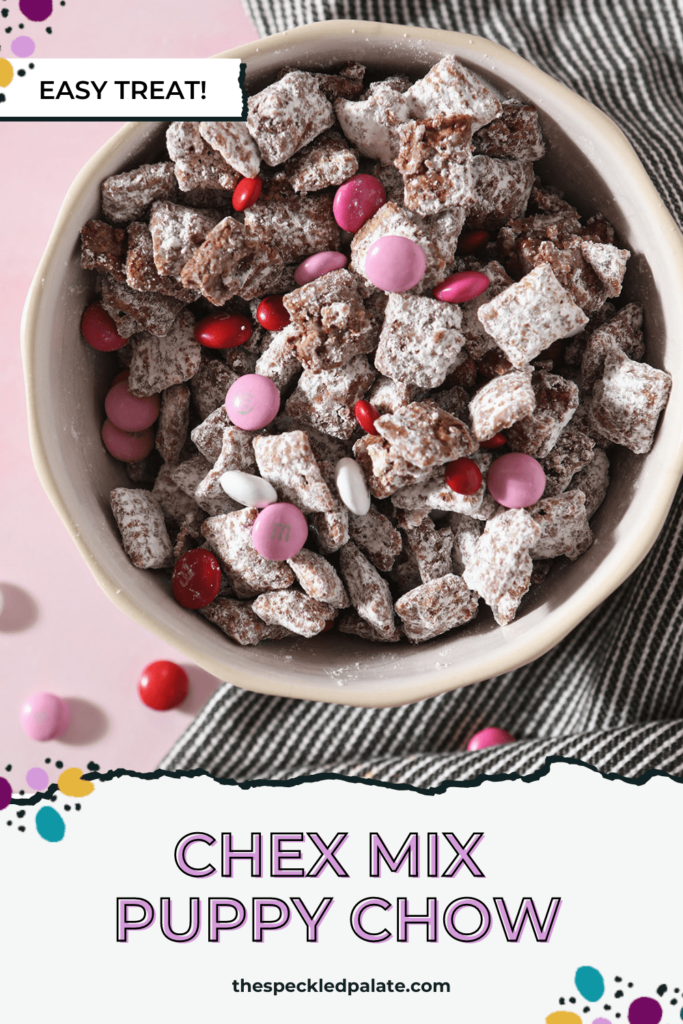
(497, 441)
(463, 476)
(99, 330)
(366, 415)
(246, 193)
(271, 313)
(470, 241)
(163, 685)
(223, 330)
(196, 579)
(121, 375)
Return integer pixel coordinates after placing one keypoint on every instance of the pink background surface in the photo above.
(58, 632)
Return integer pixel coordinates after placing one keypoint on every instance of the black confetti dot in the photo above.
(5, 12)
(586, 1009)
(618, 994)
(8, 767)
(53, 798)
(77, 806)
(31, 66)
(9, 822)
(617, 1015)
(93, 766)
(2, 97)
(630, 984)
(48, 30)
(607, 1006)
(561, 1001)
(571, 999)
(59, 764)
(617, 979)
(9, 29)
(22, 828)
(47, 760)
(21, 26)
(21, 792)
(67, 807)
(673, 1002)
(21, 72)
(20, 814)
(661, 990)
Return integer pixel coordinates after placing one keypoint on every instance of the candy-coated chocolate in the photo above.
(248, 489)
(280, 531)
(489, 738)
(357, 200)
(121, 375)
(461, 287)
(99, 330)
(463, 476)
(44, 716)
(223, 330)
(316, 266)
(129, 413)
(471, 241)
(366, 415)
(252, 401)
(127, 446)
(196, 578)
(497, 441)
(395, 264)
(247, 191)
(352, 486)
(516, 480)
(163, 685)
(272, 314)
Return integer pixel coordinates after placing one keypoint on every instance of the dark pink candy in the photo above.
(126, 446)
(516, 480)
(129, 413)
(357, 200)
(461, 287)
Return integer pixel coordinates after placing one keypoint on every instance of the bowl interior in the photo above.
(591, 162)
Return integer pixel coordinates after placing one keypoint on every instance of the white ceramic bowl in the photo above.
(592, 162)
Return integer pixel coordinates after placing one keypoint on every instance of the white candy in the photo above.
(248, 489)
(352, 487)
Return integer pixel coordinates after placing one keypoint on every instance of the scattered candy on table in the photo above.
(127, 446)
(99, 330)
(163, 685)
(223, 330)
(471, 241)
(490, 737)
(129, 413)
(366, 415)
(248, 489)
(272, 314)
(395, 264)
(357, 200)
(463, 476)
(280, 531)
(246, 193)
(461, 287)
(44, 716)
(318, 265)
(196, 579)
(352, 486)
(516, 480)
(252, 402)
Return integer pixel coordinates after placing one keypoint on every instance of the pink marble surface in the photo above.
(58, 632)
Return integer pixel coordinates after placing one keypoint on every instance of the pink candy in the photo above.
(127, 446)
(490, 737)
(252, 402)
(44, 716)
(280, 531)
(461, 287)
(516, 480)
(395, 264)
(316, 266)
(129, 413)
(357, 200)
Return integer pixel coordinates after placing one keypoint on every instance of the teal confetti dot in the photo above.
(50, 824)
(590, 983)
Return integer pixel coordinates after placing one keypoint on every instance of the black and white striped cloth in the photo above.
(611, 694)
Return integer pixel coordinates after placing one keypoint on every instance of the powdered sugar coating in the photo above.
(434, 493)
(351, 622)
(368, 591)
(451, 88)
(141, 270)
(328, 160)
(477, 340)
(238, 621)
(128, 196)
(149, 310)
(392, 220)
(208, 436)
(143, 530)
(572, 452)
(436, 607)
(425, 435)
(385, 470)
(177, 232)
(623, 331)
(435, 159)
(500, 553)
(288, 114)
(298, 227)
(609, 263)
(232, 261)
(514, 135)
(279, 361)
(319, 579)
(557, 400)
(372, 124)
(376, 538)
(420, 340)
(593, 480)
(196, 163)
(159, 363)
(229, 537)
(294, 611)
(502, 402)
(326, 399)
(387, 395)
(103, 248)
(287, 462)
(628, 400)
(333, 325)
(210, 385)
(234, 143)
(500, 190)
(173, 423)
(432, 549)
(564, 526)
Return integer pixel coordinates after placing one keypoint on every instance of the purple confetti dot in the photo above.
(644, 1011)
(37, 778)
(36, 10)
(5, 793)
(23, 46)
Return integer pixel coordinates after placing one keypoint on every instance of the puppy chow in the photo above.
(387, 395)
(444, 229)
(331, 528)
(141, 270)
(564, 526)
(567, 262)
(159, 363)
(298, 227)
(236, 453)
(450, 88)
(208, 435)
(328, 160)
(149, 310)
(238, 621)
(173, 422)
(351, 622)
(425, 435)
(436, 607)
(103, 248)
(392, 220)
(279, 361)
(557, 400)
(385, 470)
(128, 196)
(196, 163)
(372, 124)
(234, 143)
(287, 462)
(326, 399)
(210, 385)
(500, 191)
(179, 508)
(143, 531)
(376, 538)
(609, 263)
(434, 493)
(502, 402)
(622, 331)
(435, 159)
(593, 480)
(229, 538)
(454, 400)
(505, 610)
(500, 553)
(287, 115)
(177, 232)
(319, 579)
(514, 135)
(432, 549)
(232, 261)
(189, 473)
(294, 611)
(368, 591)
(333, 325)
(420, 340)
(627, 401)
(572, 452)
(466, 532)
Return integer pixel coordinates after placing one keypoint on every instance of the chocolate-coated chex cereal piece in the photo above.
(197, 164)
(557, 400)
(434, 493)
(298, 227)
(432, 549)
(500, 553)
(229, 537)
(189, 473)
(179, 508)
(347, 83)
(466, 532)
(425, 435)
(627, 401)
(451, 88)
(436, 607)
(501, 190)
(143, 530)
(405, 574)
(279, 361)
(331, 528)
(444, 229)
(149, 310)
(623, 331)
(376, 538)
(288, 114)
(505, 610)
(582, 420)
(128, 196)
(326, 161)
(208, 199)
(387, 395)
(159, 363)
(177, 232)
(185, 541)
(319, 579)
(454, 400)
(477, 340)
(141, 270)
(514, 135)
(435, 159)
(572, 452)
(332, 321)
(103, 248)
(208, 436)
(236, 453)
(392, 220)
(609, 263)
(294, 611)
(143, 471)
(369, 592)
(530, 315)
(234, 143)
(593, 480)
(237, 620)
(210, 385)
(567, 262)
(392, 180)
(410, 519)
(351, 622)
(326, 399)
(385, 470)
(420, 340)
(232, 261)
(372, 123)
(173, 422)
(287, 462)
(564, 526)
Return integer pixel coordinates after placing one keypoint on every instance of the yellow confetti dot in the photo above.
(6, 72)
(563, 1017)
(71, 784)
